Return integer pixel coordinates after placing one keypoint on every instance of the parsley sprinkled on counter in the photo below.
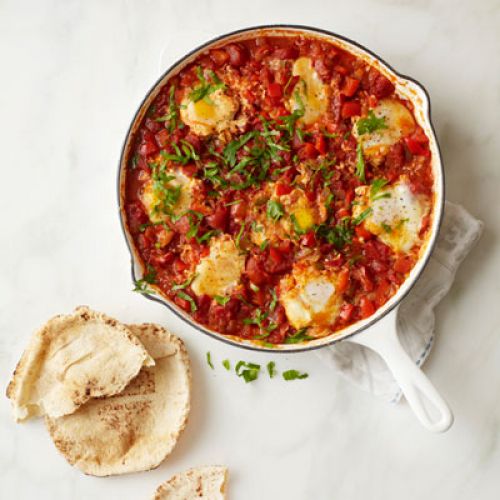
(209, 360)
(271, 369)
(294, 375)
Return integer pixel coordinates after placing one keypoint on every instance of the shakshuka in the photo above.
(278, 189)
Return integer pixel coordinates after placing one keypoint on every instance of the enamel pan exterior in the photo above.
(405, 86)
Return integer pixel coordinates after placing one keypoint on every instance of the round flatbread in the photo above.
(201, 483)
(72, 359)
(137, 429)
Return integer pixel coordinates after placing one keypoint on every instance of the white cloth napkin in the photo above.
(366, 369)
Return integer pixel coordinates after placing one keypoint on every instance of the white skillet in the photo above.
(378, 332)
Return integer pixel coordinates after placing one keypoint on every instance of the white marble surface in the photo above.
(72, 75)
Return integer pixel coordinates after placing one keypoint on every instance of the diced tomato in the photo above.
(364, 278)
(237, 54)
(351, 108)
(372, 101)
(285, 247)
(381, 292)
(148, 148)
(340, 69)
(343, 280)
(275, 255)
(254, 271)
(286, 53)
(342, 212)
(183, 304)
(180, 266)
(350, 86)
(275, 90)
(162, 138)
(282, 189)
(415, 147)
(307, 152)
(219, 219)
(136, 215)
(308, 239)
(366, 307)
(219, 57)
(362, 232)
(334, 261)
(346, 312)
(239, 211)
(320, 144)
(403, 264)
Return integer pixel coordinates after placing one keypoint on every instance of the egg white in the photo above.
(396, 214)
(399, 123)
(151, 198)
(220, 271)
(310, 298)
(312, 92)
(210, 115)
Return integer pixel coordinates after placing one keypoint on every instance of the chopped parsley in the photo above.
(360, 164)
(171, 118)
(271, 369)
(294, 375)
(188, 298)
(376, 187)
(386, 227)
(206, 87)
(248, 371)
(142, 285)
(298, 336)
(221, 300)
(226, 364)
(237, 240)
(209, 360)
(370, 124)
(274, 210)
(361, 217)
(184, 284)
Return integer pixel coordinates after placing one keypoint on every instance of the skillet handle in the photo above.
(382, 338)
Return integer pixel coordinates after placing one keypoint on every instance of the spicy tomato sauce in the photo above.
(278, 189)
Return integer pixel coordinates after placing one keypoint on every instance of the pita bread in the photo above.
(137, 429)
(72, 359)
(203, 483)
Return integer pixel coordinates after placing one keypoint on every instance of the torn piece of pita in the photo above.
(72, 359)
(201, 483)
(135, 430)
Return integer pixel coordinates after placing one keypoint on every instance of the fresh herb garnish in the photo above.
(386, 227)
(249, 371)
(274, 210)
(209, 360)
(361, 217)
(184, 284)
(360, 164)
(298, 336)
(206, 87)
(231, 203)
(375, 188)
(226, 364)
(274, 300)
(171, 118)
(294, 375)
(370, 124)
(271, 369)
(142, 285)
(237, 240)
(264, 245)
(188, 298)
(221, 300)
